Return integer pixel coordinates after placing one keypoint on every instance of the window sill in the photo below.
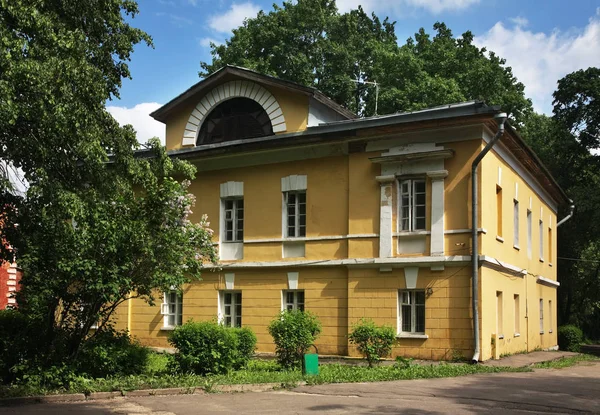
(550, 331)
(501, 337)
(517, 334)
(412, 336)
(233, 242)
(500, 239)
(541, 259)
(549, 264)
(412, 233)
(167, 328)
(517, 247)
(541, 332)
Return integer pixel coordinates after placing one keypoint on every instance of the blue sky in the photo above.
(541, 40)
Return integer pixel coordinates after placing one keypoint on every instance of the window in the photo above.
(541, 316)
(529, 232)
(516, 224)
(172, 309)
(499, 315)
(232, 308)
(498, 211)
(517, 315)
(234, 220)
(412, 311)
(412, 205)
(550, 316)
(235, 119)
(293, 300)
(541, 240)
(295, 214)
(550, 245)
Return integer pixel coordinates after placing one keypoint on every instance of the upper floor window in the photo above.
(235, 119)
(233, 210)
(295, 214)
(412, 204)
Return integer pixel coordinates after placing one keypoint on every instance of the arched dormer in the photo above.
(214, 106)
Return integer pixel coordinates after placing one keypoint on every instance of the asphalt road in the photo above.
(571, 390)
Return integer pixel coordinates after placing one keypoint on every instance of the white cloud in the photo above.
(519, 21)
(540, 59)
(404, 6)
(206, 41)
(234, 17)
(139, 116)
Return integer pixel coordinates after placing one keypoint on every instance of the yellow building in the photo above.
(316, 209)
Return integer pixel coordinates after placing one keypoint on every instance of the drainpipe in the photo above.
(500, 119)
(569, 216)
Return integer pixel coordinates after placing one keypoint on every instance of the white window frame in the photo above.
(297, 226)
(172, 309)
(529, 233)
(411, 195)
(541, 316)
(550, 330)
(500, 314)
(541, 240)
(516, 223)
(413, 312)
(233, 314)
(517, 311)
(296, 304)
(233, 218)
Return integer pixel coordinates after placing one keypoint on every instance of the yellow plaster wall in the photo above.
(325, 295)
(505, 251)
(530, 292)
(293, 105)
(374, 294)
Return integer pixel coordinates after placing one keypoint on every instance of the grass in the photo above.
(564, 362)
(258, 371)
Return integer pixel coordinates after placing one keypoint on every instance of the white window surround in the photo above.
(541, 316)
(541, 231)
(292, 300)
(172, 309)
(230, 308)
(529, 233)
(229, 90)
(516, 224)
(411, 306)
(412, 204)
(230, 250)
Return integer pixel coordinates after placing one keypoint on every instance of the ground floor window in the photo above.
(412, 311)
(231, 306)
(293, 300)
(172, 308)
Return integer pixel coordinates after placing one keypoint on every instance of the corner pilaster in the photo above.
(385, 216)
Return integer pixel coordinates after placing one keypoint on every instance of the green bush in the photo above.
(570, 338)
(110, 353)
(374, 342)
(204, 347)
(246, 345)
(293, 333)
(13, 342)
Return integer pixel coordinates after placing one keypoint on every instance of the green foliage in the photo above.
(564, 362)
(310, 43)
(570, 338)
(403, 362)
(204, 347)
(16, 342)
(111, 353)
(374, 342)
(246, 345)
(293, 332)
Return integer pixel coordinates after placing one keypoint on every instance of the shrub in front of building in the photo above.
(246, 346)
(374, 342)
(111, 353)
(210, 348)
(294, 332)
(570, 338)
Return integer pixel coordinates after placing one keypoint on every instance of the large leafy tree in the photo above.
(563, 142)
(309, 42)
(98, 223)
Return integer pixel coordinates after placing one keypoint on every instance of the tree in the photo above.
(309, 42)
(563, 142)
(99, 223)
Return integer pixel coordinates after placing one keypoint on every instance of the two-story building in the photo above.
(315, 209)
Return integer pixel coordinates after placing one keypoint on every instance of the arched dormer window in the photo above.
(235, 119)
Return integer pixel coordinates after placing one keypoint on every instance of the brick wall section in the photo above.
(9, 283)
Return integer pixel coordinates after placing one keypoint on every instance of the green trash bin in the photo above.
(310, 365)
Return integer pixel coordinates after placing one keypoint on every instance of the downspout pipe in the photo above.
(569, 216)
(500, 119)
